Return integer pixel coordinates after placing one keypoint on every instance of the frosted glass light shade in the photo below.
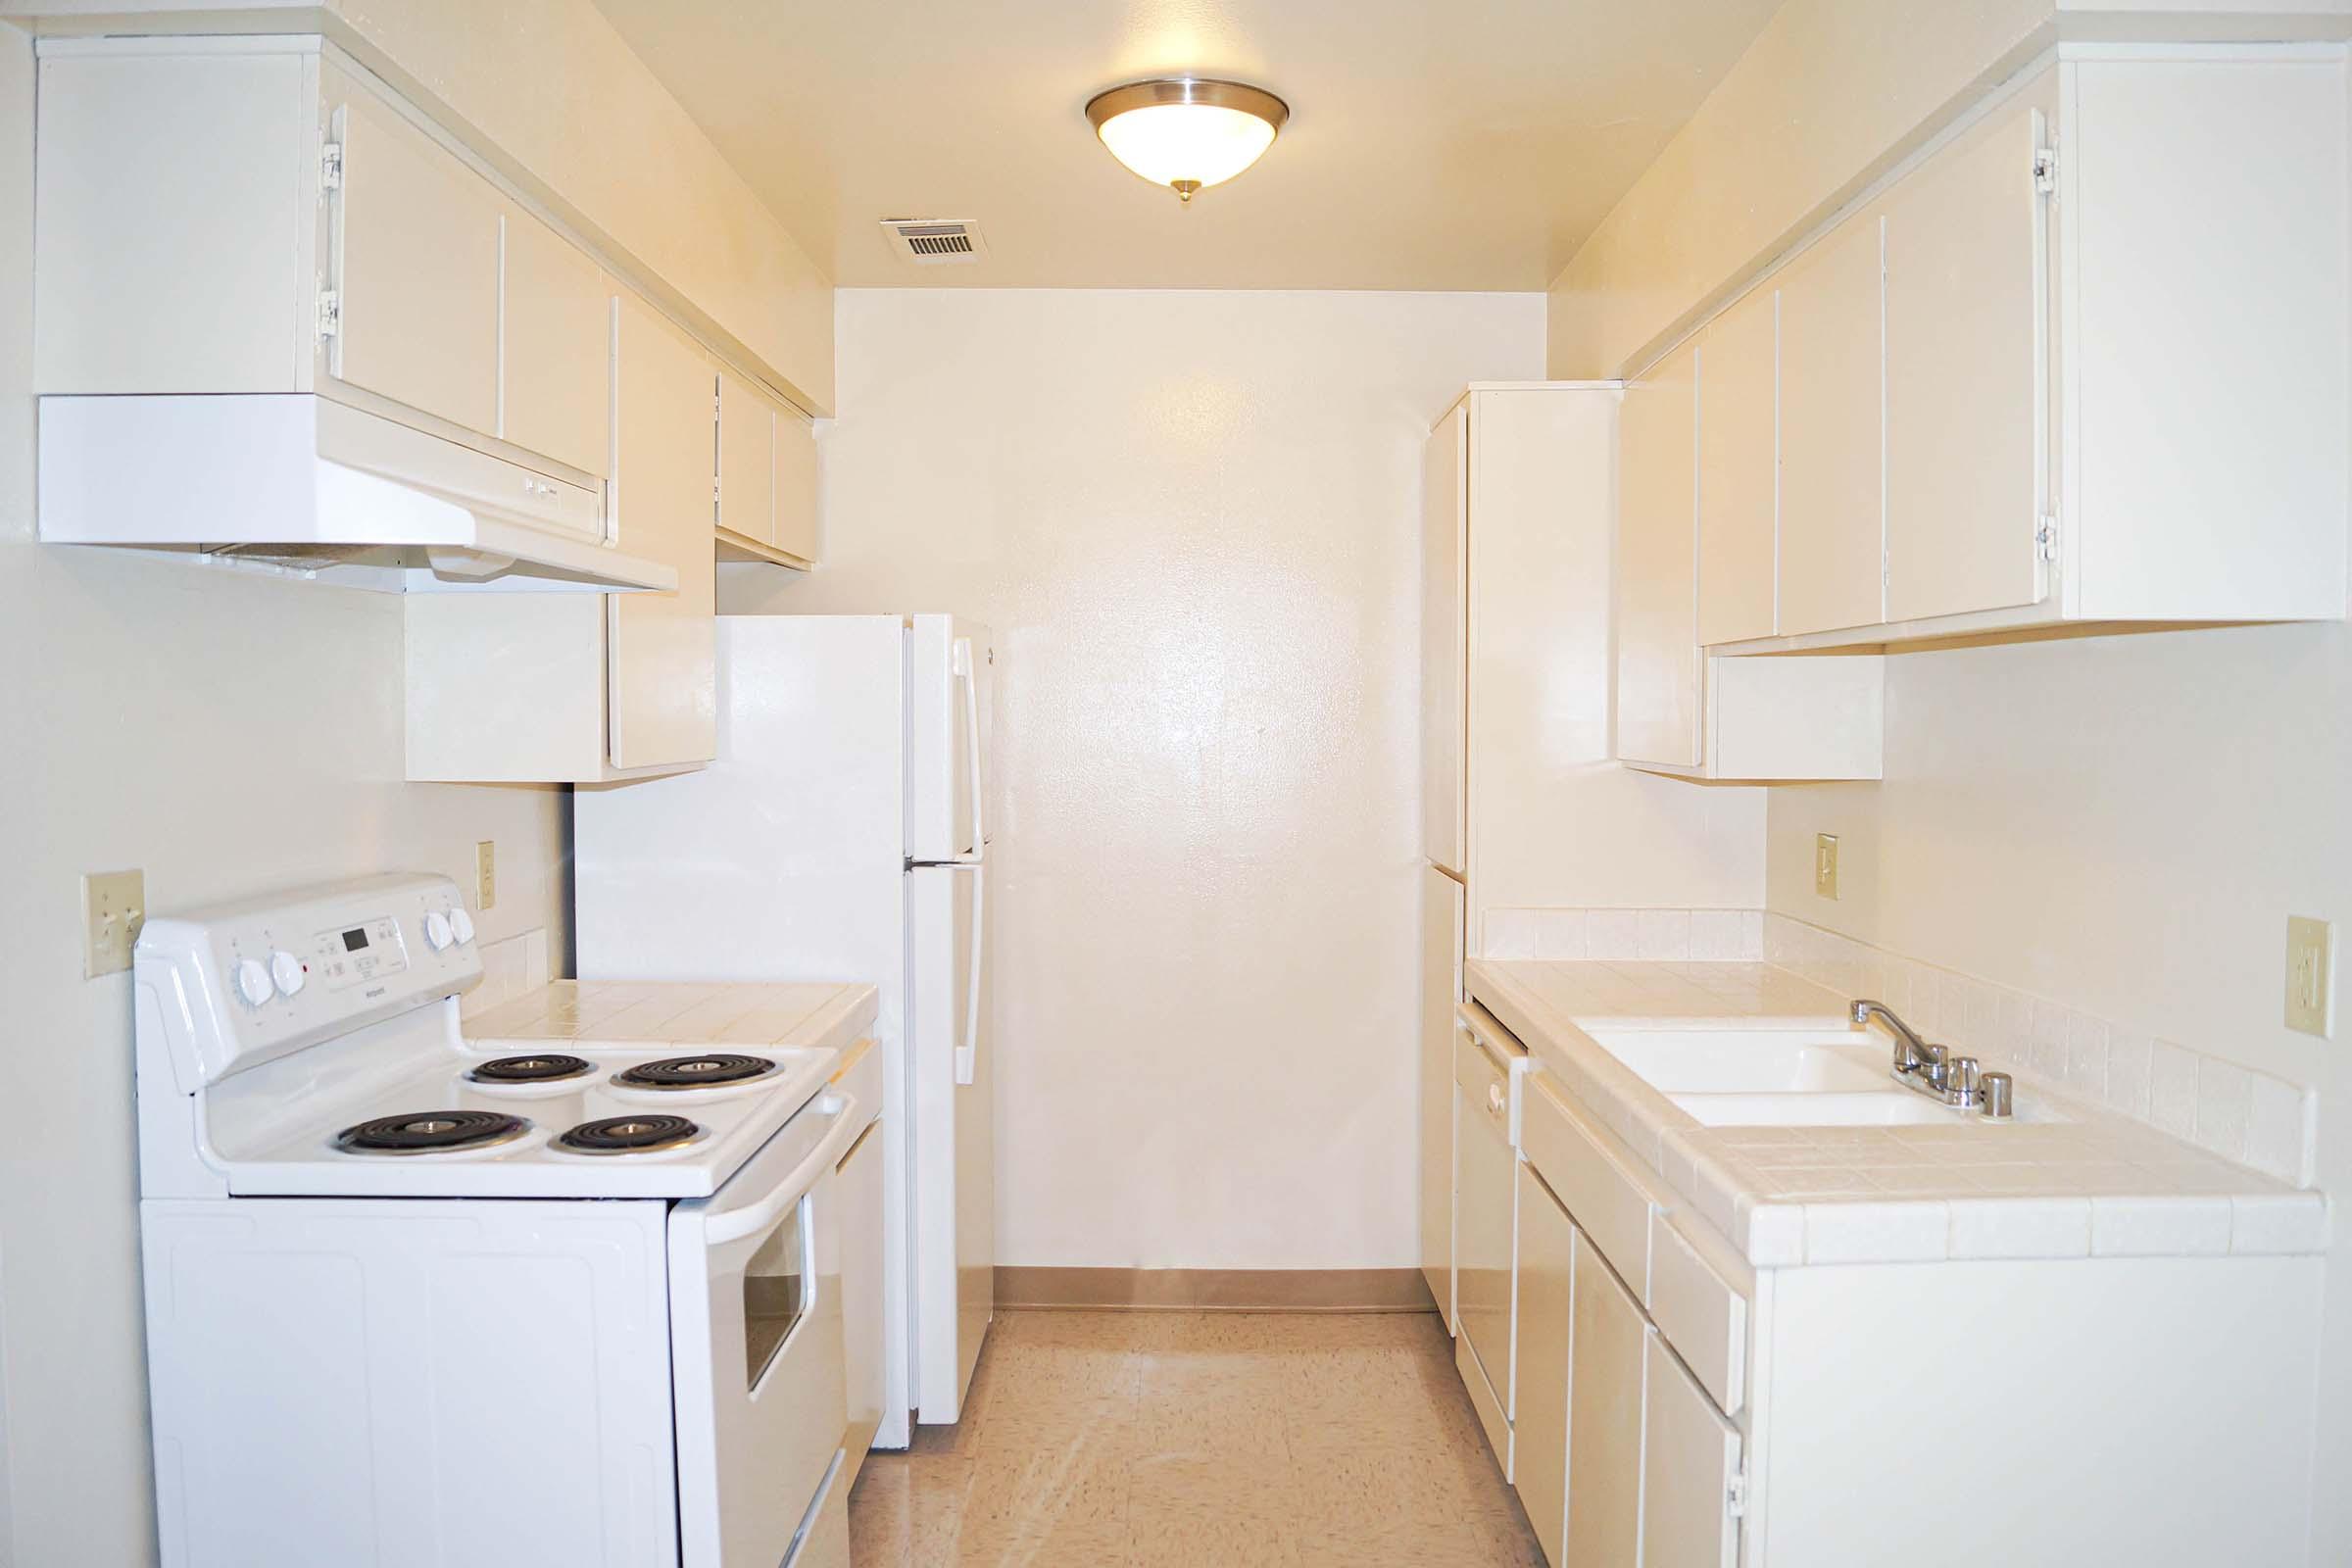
(1187, 134)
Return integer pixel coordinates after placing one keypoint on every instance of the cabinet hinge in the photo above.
(330, 313)
(1735, 1500)
(330, 166)
(2045, 170)
(2045, 537)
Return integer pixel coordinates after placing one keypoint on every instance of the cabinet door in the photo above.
(416, 266)
(1965, 410)
(1440, 990)
(1689, 1463)
(1740, 470)
(747, 460)
(1657, 566)
(796, 499)
(1606, 1370)
(1547, 1296)
(663, 648)
(554, 348)
(1444, 631)
(1832, 544)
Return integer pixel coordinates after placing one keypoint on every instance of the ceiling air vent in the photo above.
(935, 241)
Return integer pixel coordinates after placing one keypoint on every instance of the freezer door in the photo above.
(949, 666)
(954, 1131)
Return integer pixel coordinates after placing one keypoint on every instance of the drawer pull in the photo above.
(1495, 1098)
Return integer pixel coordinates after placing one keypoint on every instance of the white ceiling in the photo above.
(1470, 145)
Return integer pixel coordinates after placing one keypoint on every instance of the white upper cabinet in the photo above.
(555, 348)
(1966, 367)
(1696, 506)
(664, 709)
(796, 487)
(1739, 471)
(1831, 534)
(413, 263)
(1657, 564)
(747, 460)
(1444, 631)
(2085, 361)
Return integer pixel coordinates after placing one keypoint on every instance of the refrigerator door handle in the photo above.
(970, 676)
(968, 1055)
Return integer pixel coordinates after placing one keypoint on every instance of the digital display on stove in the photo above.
(354, 940)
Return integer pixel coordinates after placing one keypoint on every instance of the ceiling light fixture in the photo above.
(1187, 132)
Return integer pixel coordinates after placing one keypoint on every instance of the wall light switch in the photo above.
(114, 905)
(2310, 975)
(485, 873)
(1825, 864)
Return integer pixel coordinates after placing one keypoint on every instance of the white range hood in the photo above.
(309, 486)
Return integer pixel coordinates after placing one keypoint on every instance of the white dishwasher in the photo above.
(1489, 1066)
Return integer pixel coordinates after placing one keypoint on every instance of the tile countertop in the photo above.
(688, 1015)
(2098, 1186)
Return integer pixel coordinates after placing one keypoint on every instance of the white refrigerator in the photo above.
(841, 835)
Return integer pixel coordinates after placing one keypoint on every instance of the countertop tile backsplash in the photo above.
(2252, 1117)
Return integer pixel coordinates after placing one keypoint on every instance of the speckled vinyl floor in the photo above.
(1139, 1440)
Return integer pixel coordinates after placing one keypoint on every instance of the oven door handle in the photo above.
(724, 1225)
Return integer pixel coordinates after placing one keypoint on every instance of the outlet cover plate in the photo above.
(113, 904)
(2310, 975)
(485, 873)
(1825, 864)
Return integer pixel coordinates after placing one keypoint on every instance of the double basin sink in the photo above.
(1784, 1078)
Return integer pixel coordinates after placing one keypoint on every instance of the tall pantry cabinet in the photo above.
(1518, 493)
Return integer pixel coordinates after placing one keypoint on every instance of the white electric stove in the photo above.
(382, 1327)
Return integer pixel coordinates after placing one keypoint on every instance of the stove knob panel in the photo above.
(253, 982)
(461, 924)
(286, 972)
(437, 934)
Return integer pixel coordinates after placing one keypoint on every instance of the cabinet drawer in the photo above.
(1700, 1314)
(1605, 1199)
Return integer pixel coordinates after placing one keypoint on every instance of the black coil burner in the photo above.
(430, 1132)
(545, 1069)
(629, 1135)
(695, 1072)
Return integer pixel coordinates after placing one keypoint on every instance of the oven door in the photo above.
(755, 1345)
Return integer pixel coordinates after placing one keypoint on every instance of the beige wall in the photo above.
(1193, 520)
(546, 89)
(2123, 824)
(227, 734)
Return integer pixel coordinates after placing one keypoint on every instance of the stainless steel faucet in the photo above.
(1929, 1070)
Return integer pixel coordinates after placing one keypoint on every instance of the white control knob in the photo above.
(288, 971)
(461, 924)
(437, 934)
(253, 980)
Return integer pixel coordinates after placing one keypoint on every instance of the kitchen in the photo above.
(1172, 456)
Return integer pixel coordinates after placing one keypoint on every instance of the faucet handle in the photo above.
(1935, 1063)
(1961, 1083)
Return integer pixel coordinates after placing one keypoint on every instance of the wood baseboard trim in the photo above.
(1215, 1290)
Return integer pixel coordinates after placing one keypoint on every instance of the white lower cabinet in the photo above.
(1547, 1296)
(1689, 1469)
(1673, 1406)
(1607, 1336)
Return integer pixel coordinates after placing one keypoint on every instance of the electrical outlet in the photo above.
(1825, 864)
(114, 905)
(2310, 975)
(485, 873)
